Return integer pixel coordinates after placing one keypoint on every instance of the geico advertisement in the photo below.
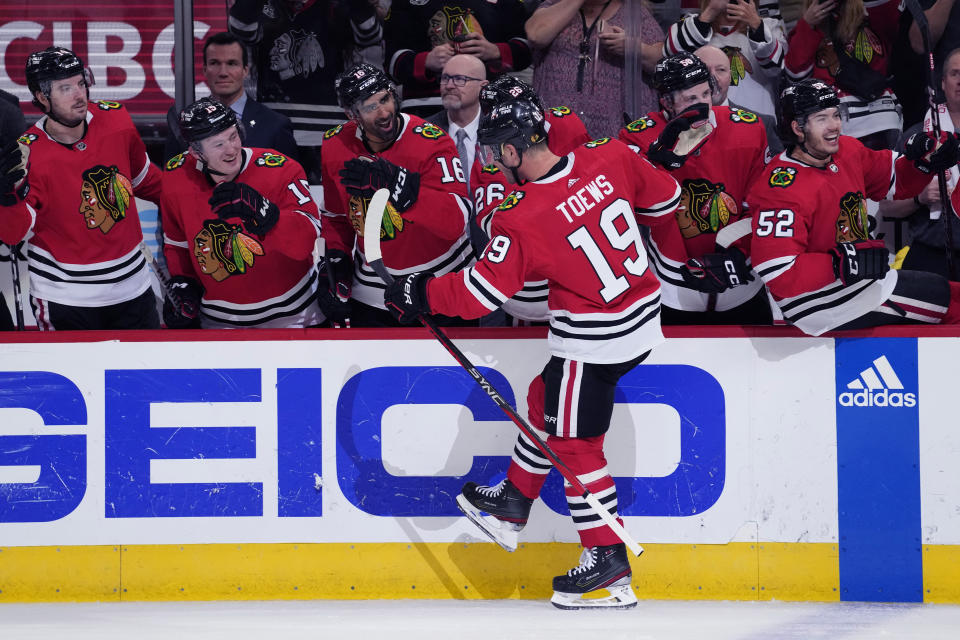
(370, 441)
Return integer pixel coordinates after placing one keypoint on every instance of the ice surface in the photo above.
(477, 619)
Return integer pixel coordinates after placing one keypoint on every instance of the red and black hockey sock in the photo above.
(585, 458)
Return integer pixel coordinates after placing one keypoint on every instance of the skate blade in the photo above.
(619, 598)
(503, 533)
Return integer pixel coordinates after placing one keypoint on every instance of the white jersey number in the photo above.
(619, 212)
(779, 223)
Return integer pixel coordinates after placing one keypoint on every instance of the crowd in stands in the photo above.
(352, 95)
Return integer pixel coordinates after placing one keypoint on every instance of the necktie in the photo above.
(464, 158)
(477, 238)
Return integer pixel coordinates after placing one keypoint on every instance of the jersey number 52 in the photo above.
(776, 223)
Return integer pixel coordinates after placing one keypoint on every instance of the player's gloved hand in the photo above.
(239, 200)
(13, 187)
(406, 298)
(184, 312)
(661, 152)
(931, 155)
(716, 272)
(362, 176)
(336, 279)
(856, 261)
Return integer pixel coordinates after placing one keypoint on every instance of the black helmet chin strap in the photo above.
(210, 172)
(514, 171)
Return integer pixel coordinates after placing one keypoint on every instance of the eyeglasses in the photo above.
(458, 80)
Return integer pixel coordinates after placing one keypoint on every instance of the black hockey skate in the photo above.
(500, 511)
(600, 568)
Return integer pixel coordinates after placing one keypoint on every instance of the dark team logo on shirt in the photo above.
(105, 196)
(593, 144)
(329, 133)
(704, 208)
(739, 115)
(450, 25)
(853, 223)
(560, 111)
(270, 160)
(511, 201)
(393, 223)
(222, 249)
(108, 105)
(428, 131)
(782, 177)
(176, 161)
(640, 125)
(296, 53)
(739, 65)
(27, 139)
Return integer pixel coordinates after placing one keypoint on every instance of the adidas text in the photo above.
(878, 398)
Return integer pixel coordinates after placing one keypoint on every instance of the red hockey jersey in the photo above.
(80, 216)
(714, 181)
(429, 236)
(577, 228)
(800, 212)
(248, 280)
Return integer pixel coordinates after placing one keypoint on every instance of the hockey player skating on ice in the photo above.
(239, 229)
(714, 153)
(425, 228)
(811, 241)
(87, 162)
(573, 220)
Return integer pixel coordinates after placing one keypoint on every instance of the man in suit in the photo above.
(225, 66)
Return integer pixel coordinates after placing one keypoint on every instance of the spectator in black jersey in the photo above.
(299, 47)
(422, 35)
(225, 67)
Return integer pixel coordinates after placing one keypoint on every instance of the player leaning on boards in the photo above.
(80, 215)
(574, 221)
(425, 227)
(714, 153)
(811, 242)
(239, 229)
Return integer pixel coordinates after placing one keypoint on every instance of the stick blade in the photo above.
(372, 223)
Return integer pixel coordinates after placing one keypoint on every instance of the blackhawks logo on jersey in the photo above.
(782, 177)
(450, 24)
(561, 111)
(27, 139)
(329, 133)
(222, 249)
(108, 105)
(269, 159)
(853, 223)
(391, 225)
(489, 168)
(704, 208)
(176, 161)
(640, 125)
(739, 65)
(428, 131)
(739, 115)
(511, 201)
(593, 144)
(105, 196)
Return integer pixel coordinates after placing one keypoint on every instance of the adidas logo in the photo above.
(572, 181)
(877, 386)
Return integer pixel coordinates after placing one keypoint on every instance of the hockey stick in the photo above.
(946, 208)
(17, 292)
(168, 289)
(371, 239)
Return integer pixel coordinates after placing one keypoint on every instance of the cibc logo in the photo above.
(877, 386)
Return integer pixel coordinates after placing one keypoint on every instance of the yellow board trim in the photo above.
(735, 571)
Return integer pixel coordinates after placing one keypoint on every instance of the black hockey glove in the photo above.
(930, 155)
(12, 171)
(336, 279)
(184, 312)
(661, 152)
(406, 298)
(856, 261)
(716, 272)
(362, 176)
(239, 200)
